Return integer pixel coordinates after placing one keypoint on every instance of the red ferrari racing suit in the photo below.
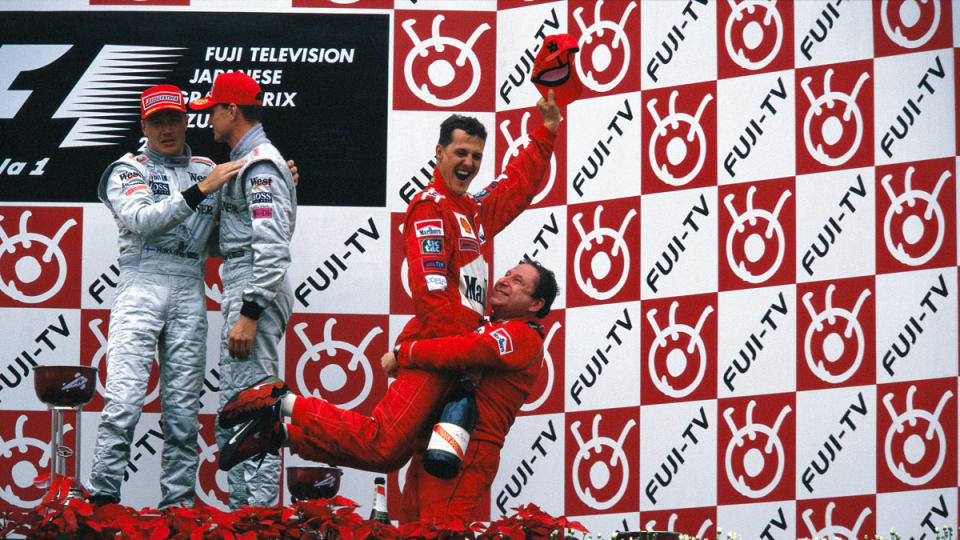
(448, 245)
(511, 354)
(448, 274)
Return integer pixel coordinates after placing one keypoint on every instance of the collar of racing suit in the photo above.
(466, 202)
(169, 161)
(254, 137)
(532, 322)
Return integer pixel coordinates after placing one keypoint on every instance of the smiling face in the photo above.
(459, 161)
(511, 295)
(166, 132)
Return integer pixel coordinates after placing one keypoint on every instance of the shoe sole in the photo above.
(230, 417)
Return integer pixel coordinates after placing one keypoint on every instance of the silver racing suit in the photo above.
(164, 223)
(258, 214)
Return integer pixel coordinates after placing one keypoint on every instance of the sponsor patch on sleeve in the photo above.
(134, 189)
(486, 191)
(428, 227)
(469, 245)
(433, 264)
(260, 197)
(160, 188)
(436, 282)
(504, 343)
(431, 246)
(262, 213)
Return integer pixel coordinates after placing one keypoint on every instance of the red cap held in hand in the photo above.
(553, 69)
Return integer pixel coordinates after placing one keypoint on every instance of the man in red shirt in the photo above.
(509, 348)
(446, 237)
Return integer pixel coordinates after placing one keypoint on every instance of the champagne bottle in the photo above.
(451, 435)
(379, 512)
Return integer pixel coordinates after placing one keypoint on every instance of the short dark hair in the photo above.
(251, 113)
(469, 124)
(546, 287)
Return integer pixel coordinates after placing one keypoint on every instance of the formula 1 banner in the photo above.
(70, 84)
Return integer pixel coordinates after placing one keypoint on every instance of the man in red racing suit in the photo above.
(447, 237)
(509, 349)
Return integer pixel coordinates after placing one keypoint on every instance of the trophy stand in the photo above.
(65, 388)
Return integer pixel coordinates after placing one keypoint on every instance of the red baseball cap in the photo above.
(161, 96)
(553, 69)
(233, 87)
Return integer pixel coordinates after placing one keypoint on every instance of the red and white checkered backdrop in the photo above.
(752, 212)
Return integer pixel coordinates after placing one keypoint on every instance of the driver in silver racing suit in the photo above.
(257, 220)
(165, 214)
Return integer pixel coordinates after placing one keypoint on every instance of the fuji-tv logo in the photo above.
(755, 34)
(915, 224)
(759, 239)
(24, 455)
(39, 257)
(677, 357)
(606, 51)
(601, 253)
(440, 60)
(333, 358)
(834, 128)
(93, 352)
(680, 141)
(601, 471)
(910, 25)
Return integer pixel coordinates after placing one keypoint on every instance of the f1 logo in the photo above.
(15, 59)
